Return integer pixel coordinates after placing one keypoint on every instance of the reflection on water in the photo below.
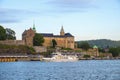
(81, 70)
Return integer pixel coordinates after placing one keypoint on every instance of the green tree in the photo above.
(38, 40)
(84, 45)
(115, 51)
(2, 33)
(86, 56)
(10, 34)
(54, 43)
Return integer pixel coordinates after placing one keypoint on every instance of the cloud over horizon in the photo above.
(53, 6)
(14, 15)
(71, 6)
(73, 3)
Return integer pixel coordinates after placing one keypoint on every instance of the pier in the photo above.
(9, 58)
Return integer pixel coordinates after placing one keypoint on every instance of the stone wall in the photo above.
(13, 42)
(39, 49)
(70, 42)
(61, 42)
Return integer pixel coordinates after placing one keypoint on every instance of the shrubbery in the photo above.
(86, 56)
(16, 49)
(115, 51)
(67, 49)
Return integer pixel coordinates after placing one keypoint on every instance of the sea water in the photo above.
(79, 70)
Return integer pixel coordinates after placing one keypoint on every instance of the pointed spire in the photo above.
(34, 26)
(62, 33)
(62, 30)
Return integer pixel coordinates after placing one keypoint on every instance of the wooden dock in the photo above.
(19, 58)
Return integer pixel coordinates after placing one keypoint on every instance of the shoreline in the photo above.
(41, 60)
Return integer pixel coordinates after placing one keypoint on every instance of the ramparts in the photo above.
(13, 42)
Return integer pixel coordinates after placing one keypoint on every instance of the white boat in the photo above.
(58, 57)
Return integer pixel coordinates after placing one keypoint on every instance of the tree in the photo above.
(10, 34)
(84, 45)
(38, 40)
(86, 56)
(115, 51)
(2, 33)
(54, 43)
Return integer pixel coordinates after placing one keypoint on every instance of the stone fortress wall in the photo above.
(13, 42)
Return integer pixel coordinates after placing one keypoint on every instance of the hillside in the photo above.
(14, 49)
(102, 43)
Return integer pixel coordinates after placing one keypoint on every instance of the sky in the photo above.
(85, 19)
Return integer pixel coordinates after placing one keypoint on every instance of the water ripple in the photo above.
(81, 70)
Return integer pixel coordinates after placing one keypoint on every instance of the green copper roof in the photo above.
(95, 46)
(34, 27)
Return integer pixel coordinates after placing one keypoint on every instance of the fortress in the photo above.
(64, 40)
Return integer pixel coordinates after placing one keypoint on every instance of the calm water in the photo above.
(81, 70)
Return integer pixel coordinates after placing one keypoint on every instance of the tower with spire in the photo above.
(62, 33)
(34, 29)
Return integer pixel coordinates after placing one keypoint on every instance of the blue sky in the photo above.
(85, 19)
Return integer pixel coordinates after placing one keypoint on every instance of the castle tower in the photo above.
(27, 36)
(62, 33)
(96, 51)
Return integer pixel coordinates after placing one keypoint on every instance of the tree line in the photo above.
(102, 43)
(114, 50)
(7, 34)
